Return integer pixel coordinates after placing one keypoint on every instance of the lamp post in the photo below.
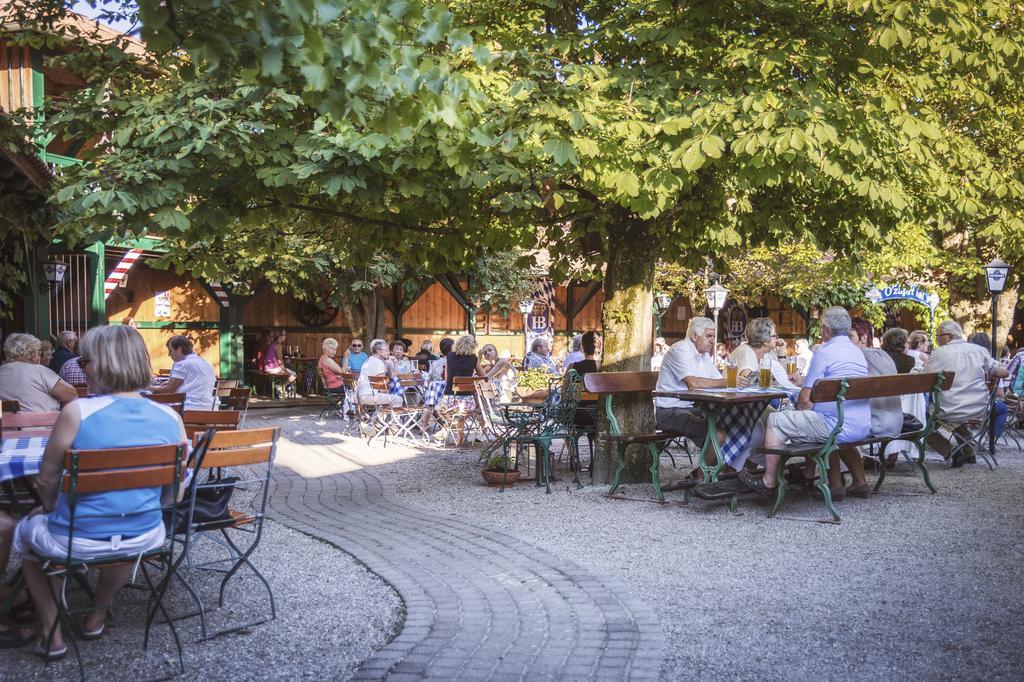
(662, 302)
(996, 273)
(716, 295)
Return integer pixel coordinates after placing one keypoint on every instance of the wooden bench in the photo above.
(863, 388)
(611, 384)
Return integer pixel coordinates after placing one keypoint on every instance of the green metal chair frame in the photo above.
(553, 421)
(112, 469)
(975, 433)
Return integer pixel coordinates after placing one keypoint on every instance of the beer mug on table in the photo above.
(730, 374)
(764, 372)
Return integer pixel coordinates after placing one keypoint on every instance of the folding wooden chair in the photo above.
(235, 399)
(334, 400)
(89, 472)
(175, 401)
(198, 421)
(9, 406)
(226, 383)
(28, 424)
(464, 387)
(387, 419)
(249, 453)
(410, 416)
(355, 413)
(19, 495)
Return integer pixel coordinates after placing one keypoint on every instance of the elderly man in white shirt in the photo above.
(967, 398)
(689, 364)
(376, 366)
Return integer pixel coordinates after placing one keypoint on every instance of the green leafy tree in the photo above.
(667, 129)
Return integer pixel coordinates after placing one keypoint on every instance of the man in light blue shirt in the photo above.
(812, 423)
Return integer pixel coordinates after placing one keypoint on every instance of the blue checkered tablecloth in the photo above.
(737, 422)
(432, 396)
(21, 457)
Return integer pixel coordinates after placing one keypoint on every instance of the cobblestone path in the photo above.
(479, 605)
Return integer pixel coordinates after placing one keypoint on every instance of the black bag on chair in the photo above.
(211, 504)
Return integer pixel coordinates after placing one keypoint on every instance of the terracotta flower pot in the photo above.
(497, 478)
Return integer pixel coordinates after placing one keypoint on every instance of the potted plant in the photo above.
(532, 384)
(499, 471)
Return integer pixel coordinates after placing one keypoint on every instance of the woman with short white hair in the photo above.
(329, 367)
(36, 387)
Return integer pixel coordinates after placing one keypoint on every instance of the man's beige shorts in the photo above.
(800, 427)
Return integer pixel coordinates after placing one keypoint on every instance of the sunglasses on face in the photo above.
(357, 345)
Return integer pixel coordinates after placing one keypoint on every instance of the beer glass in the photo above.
(730, 374)
(791, 365)
(764, 374)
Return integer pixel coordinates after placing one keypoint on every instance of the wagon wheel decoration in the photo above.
(318, 312)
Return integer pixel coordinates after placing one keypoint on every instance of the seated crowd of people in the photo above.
(116, 366)
(844, 352)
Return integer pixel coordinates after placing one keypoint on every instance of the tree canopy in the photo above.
(613, 134)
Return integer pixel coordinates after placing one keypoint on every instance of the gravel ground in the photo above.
(910, 585)
(332, 614)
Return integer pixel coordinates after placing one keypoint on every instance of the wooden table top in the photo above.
(723, 395)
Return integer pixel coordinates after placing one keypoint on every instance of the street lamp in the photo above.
(662, 302)
(996, 273)
(716, 295)
(54, 271)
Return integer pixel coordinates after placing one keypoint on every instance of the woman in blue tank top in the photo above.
(117, 366)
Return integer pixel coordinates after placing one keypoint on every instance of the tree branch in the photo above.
(357, 218)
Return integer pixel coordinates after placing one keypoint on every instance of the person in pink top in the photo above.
(330, 368)
(273, 358)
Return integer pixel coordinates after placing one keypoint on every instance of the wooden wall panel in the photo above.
(189, 300)
(15, 78)
(436, 311)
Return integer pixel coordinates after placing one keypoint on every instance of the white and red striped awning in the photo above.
(222, 296)
(120, 270)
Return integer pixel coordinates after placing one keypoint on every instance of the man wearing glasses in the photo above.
(967, 398)
(354, 357)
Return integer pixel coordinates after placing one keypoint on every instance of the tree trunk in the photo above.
(628, 321)
(365, 317)
(376, 320)
(356, 317)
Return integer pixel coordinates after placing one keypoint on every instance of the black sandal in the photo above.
(756, 483)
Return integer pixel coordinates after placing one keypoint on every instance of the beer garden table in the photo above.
(735, 411)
